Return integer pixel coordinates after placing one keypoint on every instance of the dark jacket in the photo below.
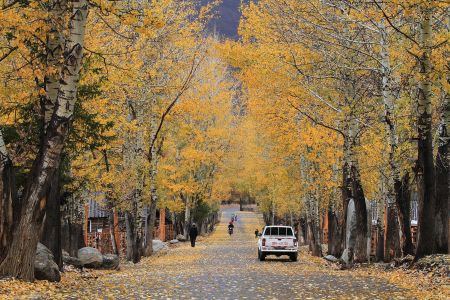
(193, 232)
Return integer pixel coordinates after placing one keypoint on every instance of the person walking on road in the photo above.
(193, 234)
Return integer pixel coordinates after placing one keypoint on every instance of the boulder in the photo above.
(90, 257)
(110, 262)
(45, 267)
(69, 260)
(175, 241)
(331, 258)
(158, 245)
(181, 238)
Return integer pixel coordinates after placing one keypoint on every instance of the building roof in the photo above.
(96, 210)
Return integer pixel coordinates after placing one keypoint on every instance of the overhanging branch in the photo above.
(184, 87)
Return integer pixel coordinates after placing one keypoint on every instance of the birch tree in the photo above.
(19, 260)
(424, 45)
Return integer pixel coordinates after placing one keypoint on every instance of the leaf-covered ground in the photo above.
(223, 267)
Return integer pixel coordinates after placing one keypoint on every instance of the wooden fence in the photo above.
(102, 240)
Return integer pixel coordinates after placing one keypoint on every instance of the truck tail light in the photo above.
(264, 242)
(295, 243)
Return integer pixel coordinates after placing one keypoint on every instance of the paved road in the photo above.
(223, 267)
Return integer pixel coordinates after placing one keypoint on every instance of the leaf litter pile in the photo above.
(224, 267)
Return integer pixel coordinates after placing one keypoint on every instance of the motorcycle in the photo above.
(230, 231)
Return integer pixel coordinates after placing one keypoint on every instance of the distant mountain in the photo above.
(227, 21)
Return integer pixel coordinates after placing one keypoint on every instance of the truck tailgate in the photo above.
(280, 243)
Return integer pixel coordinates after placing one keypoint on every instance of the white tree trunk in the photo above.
(187, 216)
(70, 73)
(153, 172)
(389, 112)
(55, 48)
(392, 238)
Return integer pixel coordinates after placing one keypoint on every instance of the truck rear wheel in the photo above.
(294, 256)
(261, 256)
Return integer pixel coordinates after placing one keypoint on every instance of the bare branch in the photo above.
(183, 89)
(315, 121)
(393, 26)
(4, 56)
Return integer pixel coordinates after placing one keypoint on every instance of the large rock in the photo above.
(181, 238)
(69, 260)
(110, 262)
(331, 258)
(90, 257)
(158, 245)
(45, 267)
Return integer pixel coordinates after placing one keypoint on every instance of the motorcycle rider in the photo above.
(230, 228)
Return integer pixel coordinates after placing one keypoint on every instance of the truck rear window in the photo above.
(279, 231)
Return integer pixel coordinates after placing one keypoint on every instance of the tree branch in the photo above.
(315, 121)
(393, 26)
(183, 89)
(11, 50)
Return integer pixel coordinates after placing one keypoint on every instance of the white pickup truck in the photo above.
(277, 240)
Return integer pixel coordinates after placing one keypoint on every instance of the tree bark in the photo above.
(314, 239)
(345, 194)
(19, 260)
(9, 206)
(151, 219)
(51, 233)
(272, 213)
(442, 180)
(404, 215)
(112, 235)
(133, 251)
(379, 252)
(360, 252)
(187, 216)
(334, 239)
(425, 169)
(72, 229)
(72, 237)
(301, 232)
(55, 51)
(391, 233)
(113, 231)
(153, 172)
(134, 245)
(391, 237)
(352, 190)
